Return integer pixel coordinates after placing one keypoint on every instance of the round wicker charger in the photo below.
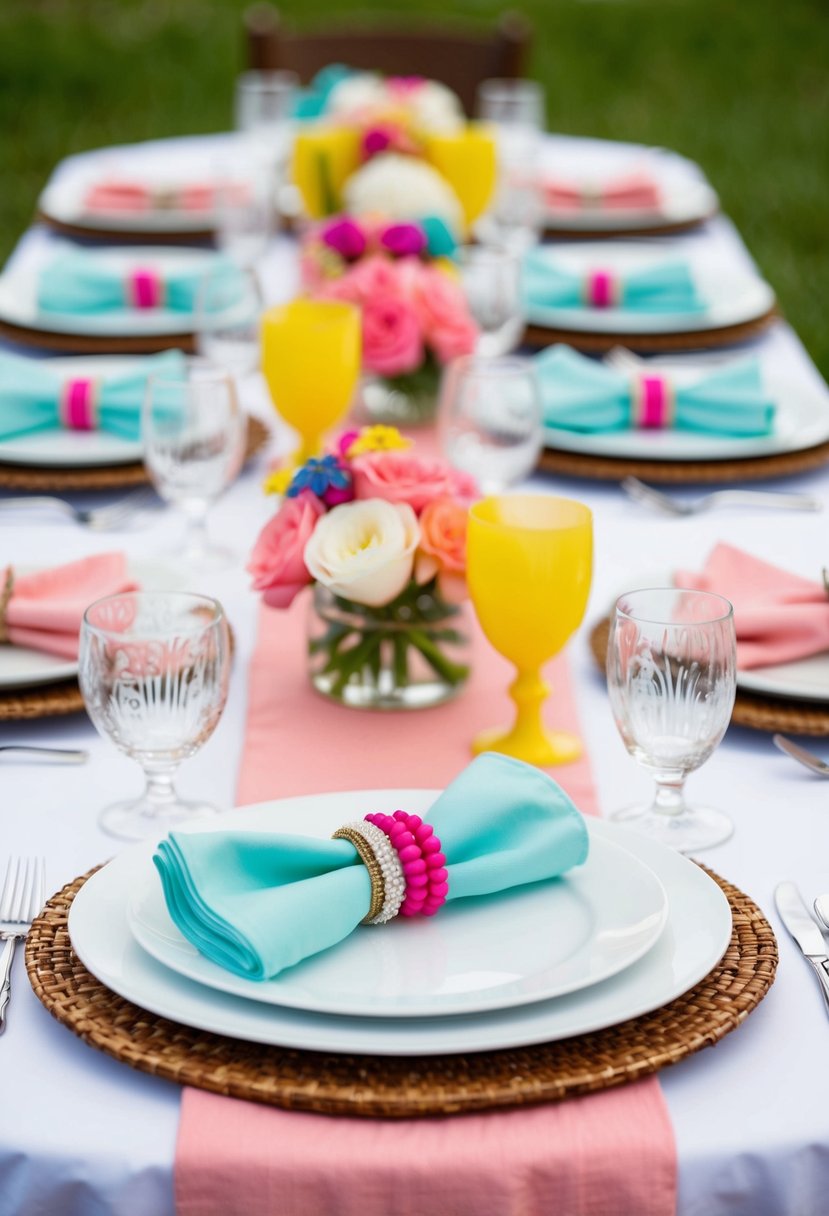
(394, 1087)
(657, 228)
(51, 480)
(127, 236)
(537, 337)
(104, 344)
(683, 472)
(757, 712)
(43, 701)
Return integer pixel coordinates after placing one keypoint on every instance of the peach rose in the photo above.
(399, 476)
(277, 563)
(442, 549)
(391, 336)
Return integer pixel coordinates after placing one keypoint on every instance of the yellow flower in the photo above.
(278, 481)
(377, 439)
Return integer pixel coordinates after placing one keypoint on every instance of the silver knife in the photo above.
(797, 919)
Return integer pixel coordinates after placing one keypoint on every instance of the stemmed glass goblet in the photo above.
(193, 430)
(153, 670)
(529, 565)
(491, 280)
(671, 675)
(490, 419)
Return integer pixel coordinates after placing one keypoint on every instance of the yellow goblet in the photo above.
(468, 161)
(323, 159)
(311, 352)
(529, 563)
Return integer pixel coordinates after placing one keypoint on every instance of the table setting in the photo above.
(387, 911)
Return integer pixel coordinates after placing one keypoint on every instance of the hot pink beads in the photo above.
(424, 865)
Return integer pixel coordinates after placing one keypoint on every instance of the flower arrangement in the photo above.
(381, 533)
(415, 317)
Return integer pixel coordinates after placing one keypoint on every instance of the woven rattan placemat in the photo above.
(103, 344)
(537, 337)
(396, 1087)
(44, 701)
(759, 713)
(126, 236)
(683, 472)
(657, 228)
(50, 480)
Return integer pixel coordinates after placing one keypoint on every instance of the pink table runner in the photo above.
(608, 1154)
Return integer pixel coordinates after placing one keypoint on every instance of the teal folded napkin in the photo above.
(581, 394)
(664, 287)
(256, 903)
(312, 101)
(32, 396)
(86, 282)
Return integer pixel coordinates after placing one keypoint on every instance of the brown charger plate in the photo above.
(394, 1087)
(106, 344)
(537, 337)
(657, 228)
(757, 712)
(683, 472)
(45, 479)
(129, 236)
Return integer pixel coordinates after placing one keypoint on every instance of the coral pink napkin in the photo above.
(602, 1155)
(631, 192)
(127, 195)
(778, 616)
(46, 608)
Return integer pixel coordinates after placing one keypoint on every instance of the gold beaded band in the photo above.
(5, 596)
(367, 857)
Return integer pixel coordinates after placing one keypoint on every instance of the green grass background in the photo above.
(742, 86)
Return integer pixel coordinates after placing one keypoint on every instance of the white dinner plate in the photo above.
(24, 668)
(694, 939)
(176, 162)
(18, 294)
(685, 195)
(62, 448)
(530, 944)
(801, 418)
(802, 680)
(735, 294)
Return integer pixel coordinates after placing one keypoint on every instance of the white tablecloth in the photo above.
(81, 1134)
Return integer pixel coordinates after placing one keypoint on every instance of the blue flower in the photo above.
(326, 477)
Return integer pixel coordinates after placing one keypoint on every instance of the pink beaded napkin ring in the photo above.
(405, 864)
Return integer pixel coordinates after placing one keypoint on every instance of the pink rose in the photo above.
(277, 563)
(444, 314)
(392, 343)
(398, 476)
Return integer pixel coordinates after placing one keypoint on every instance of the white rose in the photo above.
(436, 108)
(356, 95)
(402, 188)
(364, 551)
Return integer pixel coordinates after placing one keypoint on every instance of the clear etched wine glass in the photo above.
(194, 434)
(153, 669)
(229, 337)
(489, 419)
(671, 675)
(491, 280)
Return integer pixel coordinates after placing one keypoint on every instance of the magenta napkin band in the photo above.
(145, 288)
(78, 405)
(602, 289)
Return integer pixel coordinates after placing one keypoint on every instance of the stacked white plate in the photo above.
(632, 929)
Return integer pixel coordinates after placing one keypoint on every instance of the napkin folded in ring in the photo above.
(88, 283)
(43, 610)
(119, 196)
(633, 191)
(584, 395)
(779, 617)
(256, 903)
(33, 398)
(660, 287)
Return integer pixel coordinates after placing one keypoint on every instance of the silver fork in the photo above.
(99, 519)
(650, 497)
(804, 757)
(21, 899)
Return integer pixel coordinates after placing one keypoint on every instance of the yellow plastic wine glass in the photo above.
(311, 351)
(323, 159)
(529, 564)
(468, 160)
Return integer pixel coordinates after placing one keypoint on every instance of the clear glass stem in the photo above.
(160, 794)
(196, 540)
(669, 798)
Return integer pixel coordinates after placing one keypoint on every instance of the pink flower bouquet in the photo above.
(381, 532)
(415, 315)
